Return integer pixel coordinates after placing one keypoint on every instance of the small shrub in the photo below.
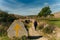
(5, 38)
(16, 38)
(41, 27)
(48, 29)
(22, 38)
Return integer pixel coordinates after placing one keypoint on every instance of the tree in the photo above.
(5, 17)
(3, 14)
(45, 11)
(51, 15)
(11, 18)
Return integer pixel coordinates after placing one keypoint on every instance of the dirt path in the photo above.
(43, 38)
(33, 32)
(58, 34)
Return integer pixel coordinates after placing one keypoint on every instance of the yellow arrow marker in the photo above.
(16, 28)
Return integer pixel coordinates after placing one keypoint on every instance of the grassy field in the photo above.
(53, 21)
(57, 23)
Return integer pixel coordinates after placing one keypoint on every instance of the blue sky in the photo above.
(28, 7)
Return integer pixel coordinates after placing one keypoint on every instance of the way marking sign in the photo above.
(16, 28)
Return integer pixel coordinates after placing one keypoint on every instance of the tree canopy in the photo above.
(5, 17)
(45, 11)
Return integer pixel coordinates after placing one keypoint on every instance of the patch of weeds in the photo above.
(48, 29)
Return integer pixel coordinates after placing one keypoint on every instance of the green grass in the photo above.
(4, 38)
(54, 19)
(57, 23)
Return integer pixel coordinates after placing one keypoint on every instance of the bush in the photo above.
(15, 38)
(51, 14)
(22, 38)
(41, 27)
(48, 29)
(5, 38)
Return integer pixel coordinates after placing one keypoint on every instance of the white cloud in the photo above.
(27, 11)
(23, 9)
(55, 7)
(19, 8)
(46, 4)
(57, 4)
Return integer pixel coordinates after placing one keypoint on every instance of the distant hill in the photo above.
(57, 15)
(17, 16)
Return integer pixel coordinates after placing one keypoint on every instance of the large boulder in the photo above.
(17, 29)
